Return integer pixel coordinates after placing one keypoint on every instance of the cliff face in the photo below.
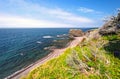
(75, 33)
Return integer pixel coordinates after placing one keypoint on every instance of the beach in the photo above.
(55, 53)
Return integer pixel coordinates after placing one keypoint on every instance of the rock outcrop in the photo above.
(75, 33)
(108, 28)
(112, 26)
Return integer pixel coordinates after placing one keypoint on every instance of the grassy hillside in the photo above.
(95, 58)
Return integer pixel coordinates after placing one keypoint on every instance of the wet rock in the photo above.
(50, 48)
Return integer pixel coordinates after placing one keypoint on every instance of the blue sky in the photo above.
(55, 13)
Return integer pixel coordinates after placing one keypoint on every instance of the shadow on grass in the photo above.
(113, 46)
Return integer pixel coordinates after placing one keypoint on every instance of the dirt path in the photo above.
(54, 54)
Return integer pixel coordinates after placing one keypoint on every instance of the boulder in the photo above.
(75, 33)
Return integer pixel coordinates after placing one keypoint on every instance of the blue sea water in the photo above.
(22, 47)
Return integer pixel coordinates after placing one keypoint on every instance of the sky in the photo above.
(55, 13)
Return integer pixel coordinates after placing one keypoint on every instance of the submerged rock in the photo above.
(50, 48)
(75, 33)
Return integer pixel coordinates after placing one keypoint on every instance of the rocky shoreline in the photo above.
(58, 45)
(55, 53)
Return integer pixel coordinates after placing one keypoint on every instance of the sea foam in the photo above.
(47, 36)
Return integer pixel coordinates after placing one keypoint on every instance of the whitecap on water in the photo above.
(39, 42)
(61, 35)
(47, 36)
(21, 54)
(64, 34)
(58, 35)
(54, 40)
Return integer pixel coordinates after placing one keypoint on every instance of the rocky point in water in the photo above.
(76, 33)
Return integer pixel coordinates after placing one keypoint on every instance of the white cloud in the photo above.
(36, 15)
(87, 10)
(20, 22)
(70, 17)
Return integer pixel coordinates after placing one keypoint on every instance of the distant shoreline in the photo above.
(55, 53)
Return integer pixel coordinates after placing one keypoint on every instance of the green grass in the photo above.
(88, 61)
(111, 37)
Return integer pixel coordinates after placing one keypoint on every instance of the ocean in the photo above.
(22, 47)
